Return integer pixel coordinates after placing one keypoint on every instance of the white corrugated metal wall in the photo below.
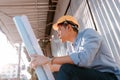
(106, 15)
(102, 15)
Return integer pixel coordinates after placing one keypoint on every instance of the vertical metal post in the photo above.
(19, 61)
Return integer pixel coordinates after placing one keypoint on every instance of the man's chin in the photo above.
(63, 41)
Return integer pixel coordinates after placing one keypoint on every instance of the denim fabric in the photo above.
(73, 72)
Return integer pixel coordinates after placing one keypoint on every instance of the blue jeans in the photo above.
(73, 72)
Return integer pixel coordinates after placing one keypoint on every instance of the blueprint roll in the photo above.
(28, 37)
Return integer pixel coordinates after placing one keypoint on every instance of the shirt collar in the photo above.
(77, 38)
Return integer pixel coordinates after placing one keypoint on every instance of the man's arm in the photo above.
(38, 60)
(62, 60)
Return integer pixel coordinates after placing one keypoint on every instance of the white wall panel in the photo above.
(107, 17)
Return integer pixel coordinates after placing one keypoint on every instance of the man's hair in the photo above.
(74, 26)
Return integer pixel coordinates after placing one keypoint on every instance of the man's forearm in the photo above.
(62, 60)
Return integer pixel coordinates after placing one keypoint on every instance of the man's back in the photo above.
(93, 53)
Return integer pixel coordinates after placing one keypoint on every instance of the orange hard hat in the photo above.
(65, 18)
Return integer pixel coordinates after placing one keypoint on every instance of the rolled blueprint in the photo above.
(28, 37)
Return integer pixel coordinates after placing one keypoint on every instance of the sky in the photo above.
(8, 54)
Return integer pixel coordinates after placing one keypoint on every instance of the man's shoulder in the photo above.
(89, 31)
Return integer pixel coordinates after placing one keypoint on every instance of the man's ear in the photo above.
(69, 27)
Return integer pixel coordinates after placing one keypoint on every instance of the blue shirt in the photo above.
(91, 51)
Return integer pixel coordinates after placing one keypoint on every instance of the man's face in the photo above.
(62, 33)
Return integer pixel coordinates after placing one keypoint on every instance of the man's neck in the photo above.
(73, 36)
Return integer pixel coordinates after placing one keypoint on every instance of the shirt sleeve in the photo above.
(87, 49)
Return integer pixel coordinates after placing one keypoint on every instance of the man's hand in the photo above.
(38, 60)
(54, 67)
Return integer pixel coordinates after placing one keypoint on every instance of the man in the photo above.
(90, 58)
